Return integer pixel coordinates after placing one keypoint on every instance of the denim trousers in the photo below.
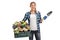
(36, 33)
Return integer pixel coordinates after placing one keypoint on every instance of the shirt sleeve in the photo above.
(25, 17)
(40, 17)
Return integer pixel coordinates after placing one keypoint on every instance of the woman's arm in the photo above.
(41, 20)
(25, 17)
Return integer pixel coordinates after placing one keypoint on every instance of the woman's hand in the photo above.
(41, 20)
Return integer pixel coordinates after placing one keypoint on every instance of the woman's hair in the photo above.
(32, 3)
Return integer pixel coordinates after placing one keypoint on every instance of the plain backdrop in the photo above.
(14, 10)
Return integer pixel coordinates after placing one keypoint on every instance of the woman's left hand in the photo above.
(41, 20)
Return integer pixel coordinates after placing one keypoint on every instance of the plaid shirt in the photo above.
(38, 18)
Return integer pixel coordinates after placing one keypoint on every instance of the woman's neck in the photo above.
(32, 12)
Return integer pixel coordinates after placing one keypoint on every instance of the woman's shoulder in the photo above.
(27, 13)
(38, 12)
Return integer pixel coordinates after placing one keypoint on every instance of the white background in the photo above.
(14, 10)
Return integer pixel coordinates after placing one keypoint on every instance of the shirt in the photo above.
(33, 22)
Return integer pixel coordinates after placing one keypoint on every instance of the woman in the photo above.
(34, 18)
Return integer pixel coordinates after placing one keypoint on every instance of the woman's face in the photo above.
(33, 6)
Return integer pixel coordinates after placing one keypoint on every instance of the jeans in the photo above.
(37, 35)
